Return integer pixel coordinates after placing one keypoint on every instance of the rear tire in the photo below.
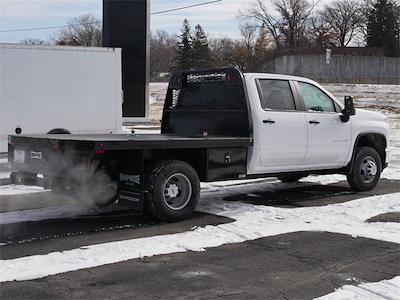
(366, 170)
(173, 191)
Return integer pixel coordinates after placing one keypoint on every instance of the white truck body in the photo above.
(48, 87)
(301, 140)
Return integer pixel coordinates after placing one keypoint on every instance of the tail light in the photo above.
(100, 152)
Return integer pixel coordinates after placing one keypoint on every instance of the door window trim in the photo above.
(303, 104)
(296, 97)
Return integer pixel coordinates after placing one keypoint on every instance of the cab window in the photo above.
(276, 95)
(316, 100)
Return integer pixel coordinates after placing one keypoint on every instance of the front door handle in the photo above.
(314, 122)
(269, 121)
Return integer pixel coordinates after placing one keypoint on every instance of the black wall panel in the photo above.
(125, 25)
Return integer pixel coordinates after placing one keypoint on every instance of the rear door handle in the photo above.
(269, 121)
(314, 122)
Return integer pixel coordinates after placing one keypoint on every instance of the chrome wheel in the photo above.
(177, 191)
(368, 169)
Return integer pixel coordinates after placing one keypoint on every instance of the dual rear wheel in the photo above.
(173, 191)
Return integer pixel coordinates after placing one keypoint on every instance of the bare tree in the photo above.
(288, 26)
(162, 52)
(365, 9)
(83, 31)
(344, 18)
(321, 34)
(260, 12)
(294, 15)
(248, 32)
(32, 41)
(222, 50)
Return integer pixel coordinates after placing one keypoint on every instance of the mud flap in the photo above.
(131, 180)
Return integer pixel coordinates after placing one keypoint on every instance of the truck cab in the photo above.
(217, 125)
(298, 126)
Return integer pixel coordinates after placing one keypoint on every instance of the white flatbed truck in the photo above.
(217, 125)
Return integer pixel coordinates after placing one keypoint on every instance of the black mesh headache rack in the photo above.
(207, 102)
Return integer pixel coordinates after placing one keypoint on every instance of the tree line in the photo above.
(267, 27)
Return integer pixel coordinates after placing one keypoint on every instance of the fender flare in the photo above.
(350, 165)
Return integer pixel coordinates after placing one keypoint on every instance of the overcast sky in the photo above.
(217, 19)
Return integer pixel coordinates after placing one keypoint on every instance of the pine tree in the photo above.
(383, 25)
(201, 50)
(185, 47)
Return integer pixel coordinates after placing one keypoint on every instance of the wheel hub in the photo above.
(172, 191)
(177, 191)
(368, 169)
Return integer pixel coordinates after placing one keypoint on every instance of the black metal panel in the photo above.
(228, 163)
(125, 25)
(207, 102)
(128, 142)
(131, 179)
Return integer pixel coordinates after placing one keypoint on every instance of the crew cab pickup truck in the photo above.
(217, 125)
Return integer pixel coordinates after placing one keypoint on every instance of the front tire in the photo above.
(366, 170)
(173, 191)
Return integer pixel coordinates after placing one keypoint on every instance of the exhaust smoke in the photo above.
(81, 177)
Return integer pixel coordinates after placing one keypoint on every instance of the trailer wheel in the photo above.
(173, 191)
(366, 171)
(59, 131)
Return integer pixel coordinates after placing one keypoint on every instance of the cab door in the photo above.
(329, 138)
(283, 127)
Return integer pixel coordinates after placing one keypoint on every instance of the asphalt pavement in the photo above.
(300, 265)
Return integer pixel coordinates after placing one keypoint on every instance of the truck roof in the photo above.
(278, 76)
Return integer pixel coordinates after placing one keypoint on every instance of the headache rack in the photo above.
(206, 102)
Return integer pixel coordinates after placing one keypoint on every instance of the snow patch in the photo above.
(8, 190)
(4, 175)
(382, 290)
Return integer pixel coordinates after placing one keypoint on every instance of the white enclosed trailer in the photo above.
(48, 87)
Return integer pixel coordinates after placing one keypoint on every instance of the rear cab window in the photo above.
(276, 94)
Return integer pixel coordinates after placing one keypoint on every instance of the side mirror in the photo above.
(348, 110)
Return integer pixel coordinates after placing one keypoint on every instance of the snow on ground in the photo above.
(368, 94)
(7, 190)
(4, 175)
(385, 289)
(252, 222)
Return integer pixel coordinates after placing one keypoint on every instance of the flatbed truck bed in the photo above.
(135, 141)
